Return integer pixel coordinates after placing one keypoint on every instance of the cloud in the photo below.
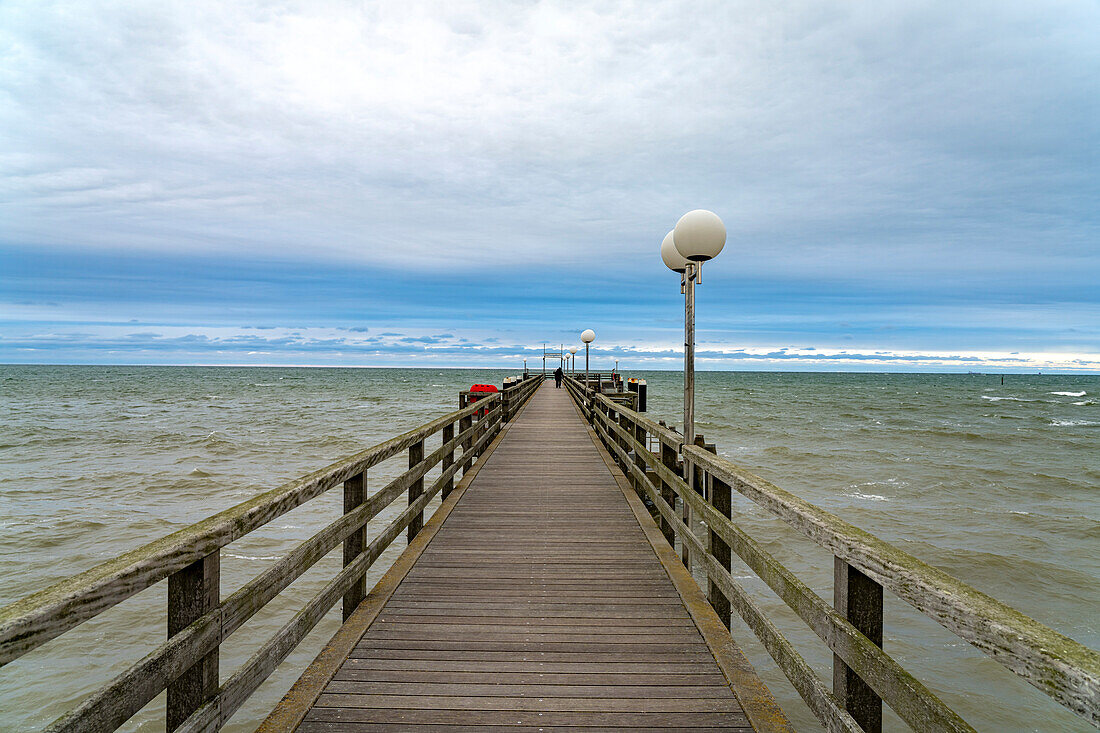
(843, 138)
(326, 346)
(898, 178)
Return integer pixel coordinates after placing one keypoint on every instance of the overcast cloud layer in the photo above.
(905, 185)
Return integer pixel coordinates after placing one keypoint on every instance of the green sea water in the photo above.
(997, 484)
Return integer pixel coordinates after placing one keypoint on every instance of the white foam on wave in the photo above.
(868, 497)
(253, 557)
(1026, 514)
(1010, 399)
(1074, 423)
(1082, 403)
(1082, 393)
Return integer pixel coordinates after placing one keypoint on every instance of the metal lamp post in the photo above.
(587, 337)
(573, 359)
(699, 236)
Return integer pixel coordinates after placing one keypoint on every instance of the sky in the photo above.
(906, 186)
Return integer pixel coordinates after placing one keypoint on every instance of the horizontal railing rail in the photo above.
(678, 481)
(186, 665)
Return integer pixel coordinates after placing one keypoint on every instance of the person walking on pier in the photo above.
(558, 374)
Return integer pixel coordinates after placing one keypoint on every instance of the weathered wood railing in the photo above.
(199, 620)
(864, 676)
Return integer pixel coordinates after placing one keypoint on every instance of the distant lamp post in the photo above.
(699, 236)
(573, 359)
(587, 337)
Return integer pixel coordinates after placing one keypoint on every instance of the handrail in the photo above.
(1062, 668)
(37, 618)
(204, 620)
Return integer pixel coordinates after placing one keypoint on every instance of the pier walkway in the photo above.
(544, 597)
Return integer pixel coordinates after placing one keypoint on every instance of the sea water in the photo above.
(996, 484)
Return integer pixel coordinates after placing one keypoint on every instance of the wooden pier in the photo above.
(542, 599)
(541, 594)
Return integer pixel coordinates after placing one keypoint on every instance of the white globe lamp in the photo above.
(672, 257)
(588, 336)
(699, 236)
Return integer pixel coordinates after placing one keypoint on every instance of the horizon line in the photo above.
(1037, 372)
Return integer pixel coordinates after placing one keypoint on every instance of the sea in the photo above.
(994, 479)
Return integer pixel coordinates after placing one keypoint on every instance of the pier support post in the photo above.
(193, 592)
(416, 488)
(448, 458)
(858, 599)
(355, 493)
(668, 457)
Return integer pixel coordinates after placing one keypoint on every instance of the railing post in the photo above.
(620, 441)
(624, 423)
(479, 430)
(858, 599)
(192, 592)
(721, 498)
(668, 457)
(640, 438)
(416, 488)
(464, 424)
(355, 493)
(448, 458)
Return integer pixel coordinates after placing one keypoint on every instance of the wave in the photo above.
(1082, 393)
(1010, 399)
(868, 497)
(1083, 403)
(254, 557)
(1074, 423)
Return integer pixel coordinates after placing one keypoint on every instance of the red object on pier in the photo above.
(487, 389)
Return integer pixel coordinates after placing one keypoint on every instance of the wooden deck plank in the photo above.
(346, 726)
(638, 679)
(655, 671)
(453, 703)
(621, 720)
(538, 604)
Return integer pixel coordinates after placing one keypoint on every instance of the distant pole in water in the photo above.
(1002, 380)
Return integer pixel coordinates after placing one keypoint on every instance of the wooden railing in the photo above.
(864, 676)
(199, 620)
